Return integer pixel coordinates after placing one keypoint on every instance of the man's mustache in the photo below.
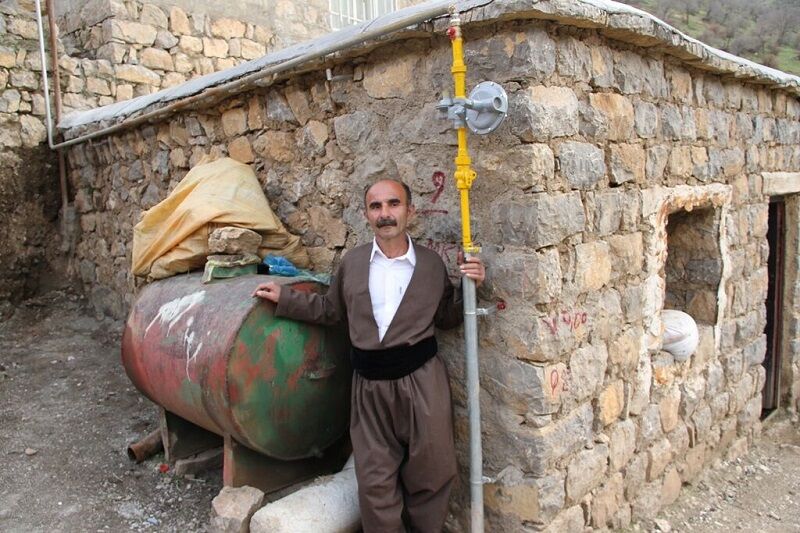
(382, 222)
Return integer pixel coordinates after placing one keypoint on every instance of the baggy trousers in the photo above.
(402, 434)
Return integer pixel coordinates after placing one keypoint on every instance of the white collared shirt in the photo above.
(388, 281)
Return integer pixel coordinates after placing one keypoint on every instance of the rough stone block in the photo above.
(355, 132)
(592, 266)
(137, 74)
(252, 49)
(153, 16)
(647, 502)
(635, 475)
(23, 28)
(8, 57)
(626, 349)
(570, 520)
(680, 84)
(233, 508)
(582, 164)
(191, 45)
(646, 119)
(585, 471)
(692, 463)
(98, 86)
(541, 219)
(534, 277)
(622, 445)
(558, 440)
(617, 115)
(234, 122)
(527, 166)
(660, 456)
(227, 28)
(677, 123)
(129, 32)
(628, 253)
(231, 240)
(602, 66)
(215, 47)
(608, 211)
(157, 59)
(668, 407)
(649, 426)
(299, 104)
(32, 131)
(607, 502)
(178, 22)
(587, 367)
(610, 402)
(574, 59)
(276, 145)
(627, 163)
(542, 113)
(671, 488)
(726, 162)
(278, 110)
(680, 161)
(755, 352)
(514, 495)
(391, 79)
(241, 150)
(165, 40)
(657, 159)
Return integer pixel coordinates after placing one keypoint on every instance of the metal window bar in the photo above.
(349, 12)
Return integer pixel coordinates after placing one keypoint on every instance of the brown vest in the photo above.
(430, 300)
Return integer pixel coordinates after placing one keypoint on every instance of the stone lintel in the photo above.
(779, 183)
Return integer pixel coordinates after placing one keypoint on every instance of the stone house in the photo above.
(638, 170)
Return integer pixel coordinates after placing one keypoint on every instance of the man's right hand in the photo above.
(269, 291)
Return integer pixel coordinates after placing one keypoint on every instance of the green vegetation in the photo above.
(764, 31)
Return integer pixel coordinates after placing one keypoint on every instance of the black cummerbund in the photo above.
(393, 363)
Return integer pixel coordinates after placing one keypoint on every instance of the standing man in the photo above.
(392, 293)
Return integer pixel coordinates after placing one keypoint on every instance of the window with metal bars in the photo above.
(348, 12)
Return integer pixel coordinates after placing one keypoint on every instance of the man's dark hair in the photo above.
(405, 188)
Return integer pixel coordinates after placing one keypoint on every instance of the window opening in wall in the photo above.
(773, 330)
(349, 12)
(694, 264)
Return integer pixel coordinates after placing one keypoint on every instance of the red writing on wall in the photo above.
(559, 380)
(448, 251)
(571, 320)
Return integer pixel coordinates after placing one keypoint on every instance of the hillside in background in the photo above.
(764, 31)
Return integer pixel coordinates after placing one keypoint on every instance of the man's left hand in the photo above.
(473, 268)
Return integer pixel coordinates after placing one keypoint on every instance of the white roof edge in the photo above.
(595, 13)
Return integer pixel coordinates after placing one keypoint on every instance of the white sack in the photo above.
(680, 335)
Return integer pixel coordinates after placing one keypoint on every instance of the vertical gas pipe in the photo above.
(464, 176)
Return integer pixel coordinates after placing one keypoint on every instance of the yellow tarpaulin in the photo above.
(172, 236)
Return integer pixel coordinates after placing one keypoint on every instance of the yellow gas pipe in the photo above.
(464, 175)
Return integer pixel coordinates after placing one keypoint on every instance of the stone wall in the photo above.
(29, 192)
(585, 420)
(118, 50)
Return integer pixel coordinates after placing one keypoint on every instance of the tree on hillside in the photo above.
(758, 29)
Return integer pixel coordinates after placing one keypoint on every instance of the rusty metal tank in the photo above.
(219, 358)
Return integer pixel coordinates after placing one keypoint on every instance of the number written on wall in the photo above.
(569, 320)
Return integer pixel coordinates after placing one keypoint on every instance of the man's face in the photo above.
(388, 211)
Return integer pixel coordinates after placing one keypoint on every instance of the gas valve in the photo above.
(482, 112)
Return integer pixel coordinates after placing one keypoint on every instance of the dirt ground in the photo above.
(68, 412)
(759, 492)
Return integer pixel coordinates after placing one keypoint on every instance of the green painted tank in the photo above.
(219, 358)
